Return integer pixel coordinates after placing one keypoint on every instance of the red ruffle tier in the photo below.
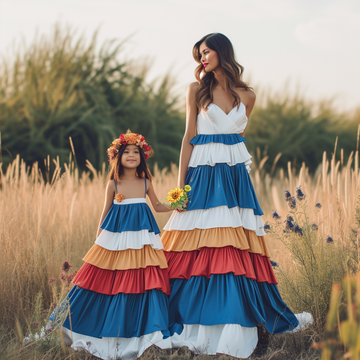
(207, 261)
(133, 281)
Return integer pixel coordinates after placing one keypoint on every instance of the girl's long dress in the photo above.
(222, 283)
(119, 304)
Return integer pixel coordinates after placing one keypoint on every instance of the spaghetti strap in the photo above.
(145, 188)
(115, 186)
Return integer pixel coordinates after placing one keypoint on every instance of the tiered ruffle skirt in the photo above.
(222, 283)
(119, 304)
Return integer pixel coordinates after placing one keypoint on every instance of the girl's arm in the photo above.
(154, 199)
(109, 196)
(190, 132)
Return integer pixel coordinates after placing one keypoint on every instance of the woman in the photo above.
(222, 283)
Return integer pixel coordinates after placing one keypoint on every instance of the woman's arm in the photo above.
(109, 196)
(154, 199)
(250, 97)
(190, 132)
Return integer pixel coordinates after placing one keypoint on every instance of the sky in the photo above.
(284, 45)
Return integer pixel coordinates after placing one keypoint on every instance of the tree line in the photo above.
(61, 87)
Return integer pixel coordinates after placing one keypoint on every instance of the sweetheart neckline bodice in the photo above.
(215, 121)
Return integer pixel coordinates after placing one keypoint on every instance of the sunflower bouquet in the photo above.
(178, 198)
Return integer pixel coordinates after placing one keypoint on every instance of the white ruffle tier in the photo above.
(215, 153)
(113, 348)
(217, 217)
(128, 240)
(231, 339)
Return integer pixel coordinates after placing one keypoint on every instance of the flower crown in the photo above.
(129, 139)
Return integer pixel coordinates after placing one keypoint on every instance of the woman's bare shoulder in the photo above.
(248, 96)
(193, 87)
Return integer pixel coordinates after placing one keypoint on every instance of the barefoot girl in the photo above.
(119, 304)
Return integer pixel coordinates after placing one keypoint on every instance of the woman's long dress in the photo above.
(222, 283)
(119, 304)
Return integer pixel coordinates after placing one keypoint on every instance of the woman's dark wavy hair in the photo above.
(116, 169)
(233, 70)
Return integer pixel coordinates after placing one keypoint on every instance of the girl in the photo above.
(119, 304)
(222, 283)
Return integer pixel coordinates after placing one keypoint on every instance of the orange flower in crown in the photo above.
(129, 138)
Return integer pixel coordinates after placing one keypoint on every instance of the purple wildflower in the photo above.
(274, 264)
(287, 195)
(329, 240)
(275, 215)
(35, 323)
(299, 194)
(314, 226)
(298, 229)
(292, 203)
(289, 226)
(266, 226)
(54, 304)
(51, 280)
(318, 205)
(88, 343)
(66, 266)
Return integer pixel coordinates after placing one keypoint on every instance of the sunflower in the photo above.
(174, 195)
(187, 188)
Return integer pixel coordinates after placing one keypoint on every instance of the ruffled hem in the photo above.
(133, 281)
(128, 240)
(217, 217)
(209, 261)
(215, 153)
(230, 339)
(226, 139)
(229, 299)
(116, 347)
(239, 238)
(120, 315)
(219, 185)
(125, 259)
(130, 217)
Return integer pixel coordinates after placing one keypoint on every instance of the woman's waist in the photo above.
(223, 138)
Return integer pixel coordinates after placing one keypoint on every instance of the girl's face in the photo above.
(131, 157)
(209, 58)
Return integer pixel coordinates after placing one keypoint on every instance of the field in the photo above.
(47, 218)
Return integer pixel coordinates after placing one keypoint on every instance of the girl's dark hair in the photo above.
(116, 169)
(233, 70)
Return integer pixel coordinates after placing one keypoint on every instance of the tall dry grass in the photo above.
(45, 220)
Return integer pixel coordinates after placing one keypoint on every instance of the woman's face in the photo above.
(209, 58)
(131, 157)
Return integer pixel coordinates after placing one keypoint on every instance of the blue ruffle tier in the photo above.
(120, 315)
(228, 299)
(130, 217)
(219, 185)
(227, 139)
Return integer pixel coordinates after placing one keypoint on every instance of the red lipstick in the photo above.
(205, 64)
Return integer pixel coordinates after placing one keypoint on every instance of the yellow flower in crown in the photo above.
(174, 195)
(187, 188)
(129, 138)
